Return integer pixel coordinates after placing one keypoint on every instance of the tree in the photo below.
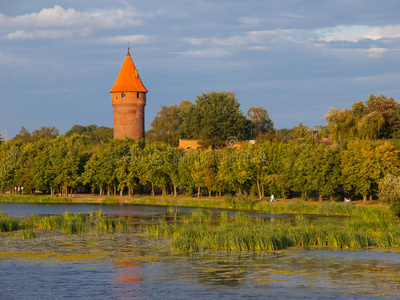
(389, 192)
(95, 134)
(260, 120)
(387, 107)
(8, 167)
(324, 170)
(214, 118)
(23, 135)
(47, 133)
(370, 125)
(166, 126)
(300, 132)
(365, 162)
(340, 123)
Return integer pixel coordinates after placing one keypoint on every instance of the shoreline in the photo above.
(251, 204)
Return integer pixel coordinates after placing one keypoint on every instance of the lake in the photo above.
(131, 265)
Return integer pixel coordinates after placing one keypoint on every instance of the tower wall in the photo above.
(128, 114)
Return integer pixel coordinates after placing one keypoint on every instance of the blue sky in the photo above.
(59, 59)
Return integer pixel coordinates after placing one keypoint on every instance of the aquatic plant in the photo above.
(111, 223)
(242, 233)
(28, 234)
(8, 224)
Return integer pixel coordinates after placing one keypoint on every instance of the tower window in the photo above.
(137, 95)
(123, 95)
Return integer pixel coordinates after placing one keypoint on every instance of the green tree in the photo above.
(389, 192)
(341, 124)
(365, 162)
(324, 170)
(300, 132)
(214, 118)
(388, 108)
(95, 134)
(9, 166)
(166, 126)
(370, 125)
(260, 120)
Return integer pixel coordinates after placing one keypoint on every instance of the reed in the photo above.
(28, 234)
(242, 233)
(8, 224)
(91, 223)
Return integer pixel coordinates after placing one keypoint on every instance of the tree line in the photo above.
(304, 167)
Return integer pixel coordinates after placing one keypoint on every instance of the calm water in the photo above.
(133, 266)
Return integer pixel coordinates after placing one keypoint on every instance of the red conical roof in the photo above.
(128, 79)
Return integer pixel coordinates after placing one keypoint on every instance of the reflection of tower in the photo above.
(128, 98)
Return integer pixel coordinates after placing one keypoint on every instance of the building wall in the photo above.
(189, 144)
(128, 114)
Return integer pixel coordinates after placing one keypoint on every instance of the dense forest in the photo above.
(361, 155)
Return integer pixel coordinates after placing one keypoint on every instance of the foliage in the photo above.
(378, 118)
(166, 126)
(261, 123)
(47, 133)
(214, 118)
(389, 192)
(95, 134)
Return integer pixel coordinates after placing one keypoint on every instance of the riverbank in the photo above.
(312, 206)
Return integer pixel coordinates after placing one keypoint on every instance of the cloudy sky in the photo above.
(296, 58)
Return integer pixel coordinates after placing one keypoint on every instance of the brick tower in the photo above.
(128, 98)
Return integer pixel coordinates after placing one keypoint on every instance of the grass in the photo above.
(91, 223)
(8, 224)
(28, 234)
(331, 208)
(34, 199)
(242, 233)
(109, 200)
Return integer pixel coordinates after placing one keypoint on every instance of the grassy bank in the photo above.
(34, 199)
(241, 233)
(244, 203)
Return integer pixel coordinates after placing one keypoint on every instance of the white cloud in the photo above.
(196, 41)
(357, 33)
(251, 37)
(260, 48)
(40, 34)
(375, 52)
(72, 22)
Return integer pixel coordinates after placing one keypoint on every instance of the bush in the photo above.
(389, 192)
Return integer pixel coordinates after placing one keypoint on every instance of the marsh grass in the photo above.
(28, 234)
(242, 233)
(92, 223)
(330, 208)
(34, 199)
(8, 224)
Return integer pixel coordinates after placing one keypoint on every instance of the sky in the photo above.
(296, 58)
